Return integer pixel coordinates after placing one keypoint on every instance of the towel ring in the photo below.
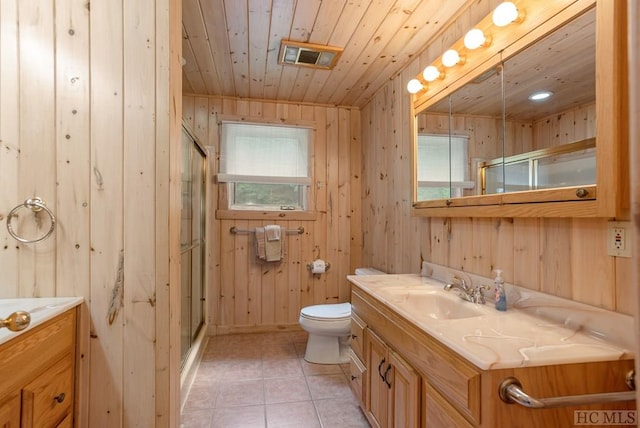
(36, 205)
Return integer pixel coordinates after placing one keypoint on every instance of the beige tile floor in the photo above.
(262, 380)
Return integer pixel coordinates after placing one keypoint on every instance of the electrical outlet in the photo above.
(619, 238)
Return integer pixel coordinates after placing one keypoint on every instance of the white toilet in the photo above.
(329, 328)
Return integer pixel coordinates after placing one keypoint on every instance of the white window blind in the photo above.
(252, 153)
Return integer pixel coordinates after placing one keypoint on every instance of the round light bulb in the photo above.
(414, 86)
(505, 14)
(431, 73)
(474, 39)
(450, 58)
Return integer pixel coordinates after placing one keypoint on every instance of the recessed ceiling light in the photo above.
(540, 95)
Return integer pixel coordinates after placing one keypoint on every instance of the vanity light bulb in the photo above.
(414, 86)
(474, 39)
(450, 58)
(431, 73)
(505, 14)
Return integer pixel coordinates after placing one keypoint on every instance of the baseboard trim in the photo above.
(220, 330)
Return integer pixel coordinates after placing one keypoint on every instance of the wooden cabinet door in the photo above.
(378, 396)
(438, 413)
(48, 399)
(404, 394)
(66, 422)
(10, 412)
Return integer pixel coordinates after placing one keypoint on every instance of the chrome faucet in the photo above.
(457, 283)
(466, 292)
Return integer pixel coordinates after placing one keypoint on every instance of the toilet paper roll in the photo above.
(318, 266)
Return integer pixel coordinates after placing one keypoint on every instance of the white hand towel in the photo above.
(272, 232)
(273, 244)
(260, 243)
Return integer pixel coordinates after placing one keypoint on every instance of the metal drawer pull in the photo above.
(60, 397)
(386, 372)
(380, 368)
(510, 392)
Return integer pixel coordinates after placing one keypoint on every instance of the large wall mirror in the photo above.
(517, 132)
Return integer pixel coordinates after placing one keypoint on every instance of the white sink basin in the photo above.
(441, 307)
(434, 304)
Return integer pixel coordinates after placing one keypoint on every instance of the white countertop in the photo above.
(41, 310)
(536, 329)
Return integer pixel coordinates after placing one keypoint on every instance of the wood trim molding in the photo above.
(266, 215)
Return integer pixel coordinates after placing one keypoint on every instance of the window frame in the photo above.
(456, 187)
(228, 211)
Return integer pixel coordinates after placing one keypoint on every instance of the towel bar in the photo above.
(510, 392)
(299, 230)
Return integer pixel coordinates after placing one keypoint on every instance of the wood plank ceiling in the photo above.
(231, 46)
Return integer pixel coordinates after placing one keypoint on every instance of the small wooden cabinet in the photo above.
(37, 375)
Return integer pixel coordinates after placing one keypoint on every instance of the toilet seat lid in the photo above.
(335, 311)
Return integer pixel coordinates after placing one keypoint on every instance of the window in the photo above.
(442, 166)
(266, 167)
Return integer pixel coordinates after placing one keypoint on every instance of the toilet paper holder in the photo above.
(310, 266)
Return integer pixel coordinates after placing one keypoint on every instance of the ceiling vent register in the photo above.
(308, 54)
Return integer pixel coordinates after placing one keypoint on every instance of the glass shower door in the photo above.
(192, 242)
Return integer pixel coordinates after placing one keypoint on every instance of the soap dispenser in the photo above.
(501, 298)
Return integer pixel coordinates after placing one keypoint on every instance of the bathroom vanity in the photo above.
(37, 374)
(423, 357)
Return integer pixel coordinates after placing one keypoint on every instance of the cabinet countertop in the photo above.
(536, 330)
(41, 310)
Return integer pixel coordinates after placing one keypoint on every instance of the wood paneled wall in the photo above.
(89, 121)
(245, 295)
(563, 257)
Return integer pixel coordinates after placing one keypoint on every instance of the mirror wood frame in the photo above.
(609, 197)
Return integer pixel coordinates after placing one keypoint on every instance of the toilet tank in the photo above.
(369, 271)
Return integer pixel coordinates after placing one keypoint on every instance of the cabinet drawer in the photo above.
(48, 399)
(357, 376)
(357, 335)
